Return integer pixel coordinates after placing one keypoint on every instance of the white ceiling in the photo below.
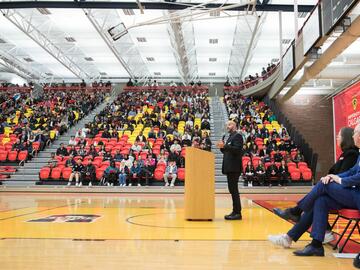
(61, 23)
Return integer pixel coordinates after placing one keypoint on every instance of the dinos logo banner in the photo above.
(346, 111)
(66, 218)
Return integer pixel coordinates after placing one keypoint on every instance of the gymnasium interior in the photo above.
(111, 118)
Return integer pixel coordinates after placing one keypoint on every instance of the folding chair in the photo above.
(350, 215)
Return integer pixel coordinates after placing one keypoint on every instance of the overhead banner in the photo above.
(346, 111)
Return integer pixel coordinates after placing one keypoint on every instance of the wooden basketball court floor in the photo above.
(143, 231)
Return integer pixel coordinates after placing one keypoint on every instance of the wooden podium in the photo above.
(199, 184)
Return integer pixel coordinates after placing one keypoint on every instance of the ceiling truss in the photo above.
(41, 30)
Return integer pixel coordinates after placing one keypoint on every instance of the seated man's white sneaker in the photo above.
(329, 237)
(281, 240)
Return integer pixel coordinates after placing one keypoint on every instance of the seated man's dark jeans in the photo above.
(323, 198)
(302, 226)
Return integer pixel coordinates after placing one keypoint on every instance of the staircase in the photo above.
(29, 173)
(219, 118)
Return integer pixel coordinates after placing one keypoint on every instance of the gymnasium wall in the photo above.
(311, 115)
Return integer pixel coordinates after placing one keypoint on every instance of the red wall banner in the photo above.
(346, 111)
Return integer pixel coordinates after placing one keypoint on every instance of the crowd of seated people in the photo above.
(29, 124)
(92, 87)
(138, 138)
(270, 156)
(252, 80)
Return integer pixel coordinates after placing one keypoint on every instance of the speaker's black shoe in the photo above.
(233, 216)
(286, 214)
(310, 250)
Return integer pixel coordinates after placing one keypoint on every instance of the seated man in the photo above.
(76, 172)
(61, 151)
(271, 172)
(53, 161)
(111, 174)
(17, 146)
(332, 192)
(72, 141)
(171, 170)
(89, 173)
(135, 172)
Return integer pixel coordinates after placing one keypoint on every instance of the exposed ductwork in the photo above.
(337, 47)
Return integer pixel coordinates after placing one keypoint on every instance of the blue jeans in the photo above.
(302, 226)
(323, 198)
(122, 178)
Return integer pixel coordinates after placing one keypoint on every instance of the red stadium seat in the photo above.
(44, 173)
(66, 172)
(181, 174)
(291, 165)
(36, 146)
(99, 173)
(97, 163)
(161, 166)
(98, 158)
(113, 140)
(77, 158)
(151, 141)
(255, 161)
(125, 151)
(22, 155)
(8, 147)
(3, 156)
(302, 164)
(55, 173)
(143, 155)
(306, 175)
(245, 159)
(295, 175)
(159, 174)
(105, 163)
(12, 156)
(267, 164)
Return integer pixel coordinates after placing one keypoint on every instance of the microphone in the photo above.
(223, 137)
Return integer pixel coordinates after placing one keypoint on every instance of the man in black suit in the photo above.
(231, 166)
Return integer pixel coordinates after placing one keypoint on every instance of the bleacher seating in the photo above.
(264, 136)
(30, 124)
(142, 123)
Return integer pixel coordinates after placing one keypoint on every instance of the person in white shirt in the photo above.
(189, 123)
(176, 147)
(72, 141)
(186, 136)
(136, 147)
(171, 170)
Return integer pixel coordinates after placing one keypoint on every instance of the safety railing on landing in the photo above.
(168, 88)
(251, 83)
(15, 89)
(78, 88)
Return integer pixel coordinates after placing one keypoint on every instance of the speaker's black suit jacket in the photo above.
(233, 151)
